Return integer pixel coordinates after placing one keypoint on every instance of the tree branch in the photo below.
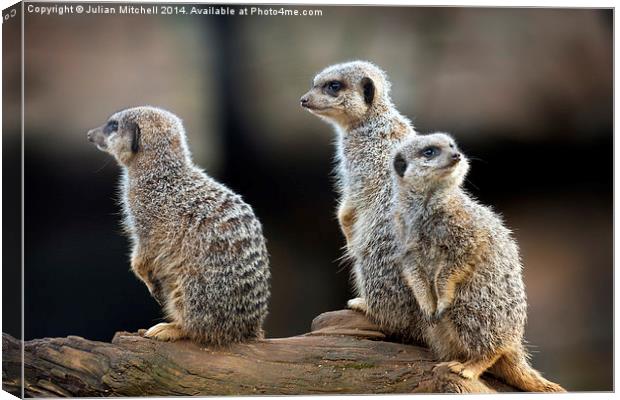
(336, 357)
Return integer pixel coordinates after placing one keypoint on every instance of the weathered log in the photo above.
(338, 356)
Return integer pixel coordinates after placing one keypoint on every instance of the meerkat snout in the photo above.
(97, 137)
(304, 101)
(455, 159)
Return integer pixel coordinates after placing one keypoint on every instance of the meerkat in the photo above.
(462, 265)
(196, 245)
(355, 98)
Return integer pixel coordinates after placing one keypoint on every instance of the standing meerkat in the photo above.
(462, 265)
(355, 98)
(195, 244)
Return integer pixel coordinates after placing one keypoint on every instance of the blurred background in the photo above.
(526, 92)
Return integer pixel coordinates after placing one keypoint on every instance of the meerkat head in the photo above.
(346, 94)
(140, 132)
(426, 163)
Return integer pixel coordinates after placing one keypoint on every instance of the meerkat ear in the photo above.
(369, 90)
(135, 137)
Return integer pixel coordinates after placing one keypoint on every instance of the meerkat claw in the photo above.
(165, 332)
(358, 304)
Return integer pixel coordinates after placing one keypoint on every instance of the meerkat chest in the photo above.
(444, 239)
(432, 242)
(428, 255)
(364, 159)
(150, 219)
(371, 206)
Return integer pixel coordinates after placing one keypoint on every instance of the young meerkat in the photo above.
(462, 265)
(355, 98)
(195, 244)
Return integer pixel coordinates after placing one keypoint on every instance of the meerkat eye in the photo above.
(333, 87)
(451, 145)
(430, 152)
(111, 126)
(400, 165)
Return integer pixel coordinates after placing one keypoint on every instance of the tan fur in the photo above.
(166, 332)
(470, 369)
(346, 218)
(462, 266)
(144, 271)
(196, 245)
(513, 367)
(446, 282)
(369, 128)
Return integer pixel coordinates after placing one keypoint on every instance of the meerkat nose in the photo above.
(456, 156)
(304, 101)
(89, 135)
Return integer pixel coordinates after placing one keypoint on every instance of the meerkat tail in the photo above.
(516, 371)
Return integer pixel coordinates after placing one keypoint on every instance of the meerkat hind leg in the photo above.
(358, 304)
(470, 369)
(165, 332)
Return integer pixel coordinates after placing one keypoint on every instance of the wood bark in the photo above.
(343, 354)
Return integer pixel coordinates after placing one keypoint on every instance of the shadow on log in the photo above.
(343, 354)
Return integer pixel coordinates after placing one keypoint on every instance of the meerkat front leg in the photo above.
(446, 281)
(415, 278)
(143, 269)
(156, 289)
(422, 291)
(346, 218)
(174, 306)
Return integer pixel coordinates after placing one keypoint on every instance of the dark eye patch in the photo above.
(111, 126)
(333, 87)
(400, 165)
(430, 151)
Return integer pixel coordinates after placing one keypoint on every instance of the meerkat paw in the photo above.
(429, 314)
(165, 332)
(156, 292)
(457, 368)
(442, 306)
(358, 304)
